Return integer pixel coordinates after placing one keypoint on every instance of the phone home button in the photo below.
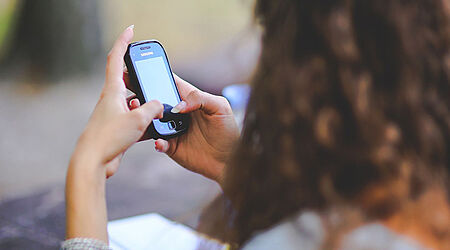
(172, 125)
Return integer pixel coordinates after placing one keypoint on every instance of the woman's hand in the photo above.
(111, 130)
(207, 146)
(113, 127)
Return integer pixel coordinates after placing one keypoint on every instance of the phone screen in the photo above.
(156, 80)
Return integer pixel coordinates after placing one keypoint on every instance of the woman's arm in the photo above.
(112, 129)
(85, 199)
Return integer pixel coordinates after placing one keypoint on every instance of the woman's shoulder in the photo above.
(307, 231)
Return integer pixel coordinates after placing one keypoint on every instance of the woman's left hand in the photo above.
(112, 129)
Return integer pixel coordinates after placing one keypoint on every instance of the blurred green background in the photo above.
(52, 58)
(213, 43)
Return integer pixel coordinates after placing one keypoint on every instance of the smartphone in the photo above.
(150, 74)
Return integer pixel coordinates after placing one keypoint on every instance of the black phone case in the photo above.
(151, 131)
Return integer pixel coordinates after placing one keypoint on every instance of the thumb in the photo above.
(142, 116)
(208, 103)
(131, 127)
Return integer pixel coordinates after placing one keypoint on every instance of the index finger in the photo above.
(114, 65)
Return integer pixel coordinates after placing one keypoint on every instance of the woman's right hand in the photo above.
(207, 145)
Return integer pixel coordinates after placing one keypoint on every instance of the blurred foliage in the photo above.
(54, 40)
(194, 33)
(7, 8)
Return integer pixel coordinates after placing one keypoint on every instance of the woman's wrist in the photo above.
(215, 173)
(86, 162)
(88, 152)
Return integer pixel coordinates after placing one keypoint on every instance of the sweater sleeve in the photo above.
(84, 243)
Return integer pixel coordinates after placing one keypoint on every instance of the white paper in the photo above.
(153, 231)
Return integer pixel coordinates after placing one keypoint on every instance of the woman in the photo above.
(346, 141)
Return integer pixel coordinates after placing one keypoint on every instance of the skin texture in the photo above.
(118, 122)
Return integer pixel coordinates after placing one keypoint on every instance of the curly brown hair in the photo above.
(348, 95)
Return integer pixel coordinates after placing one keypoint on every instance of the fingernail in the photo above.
(179, 107)
(131, 26)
